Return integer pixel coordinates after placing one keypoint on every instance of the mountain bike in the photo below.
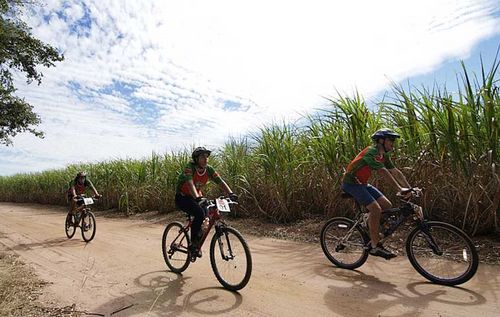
(82, 218)
(440, 252)
(230, 256)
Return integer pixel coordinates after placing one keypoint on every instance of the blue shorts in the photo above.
(364, 194)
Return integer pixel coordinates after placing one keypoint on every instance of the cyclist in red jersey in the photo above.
(355, 182)
(77, 187)
(189, 197)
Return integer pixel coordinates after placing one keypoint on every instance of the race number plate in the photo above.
(222, 205)
(88, 201)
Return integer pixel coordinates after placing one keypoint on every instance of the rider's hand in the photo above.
(202, 201)
(405, 192)
(233, 196)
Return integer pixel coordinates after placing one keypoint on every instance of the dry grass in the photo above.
(20, 289)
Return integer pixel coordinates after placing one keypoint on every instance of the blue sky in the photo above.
(143, 76)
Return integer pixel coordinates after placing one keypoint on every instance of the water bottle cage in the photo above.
(391, 223)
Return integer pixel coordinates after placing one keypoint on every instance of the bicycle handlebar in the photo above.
(212, 203)
(79, 197)
(415, 192)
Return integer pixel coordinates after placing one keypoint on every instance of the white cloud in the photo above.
(155, 75)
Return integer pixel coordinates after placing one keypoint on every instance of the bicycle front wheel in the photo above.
(174, 245)
(442, 253)
(69, 225)
(230, 258)
(344, 244)
(88, 226)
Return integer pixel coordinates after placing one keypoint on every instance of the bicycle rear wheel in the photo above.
(174, 246)
(69, 225)
(88, 226)
(343, 244)
(442, 253)
(231, 261)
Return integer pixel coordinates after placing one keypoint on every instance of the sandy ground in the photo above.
(122, 273)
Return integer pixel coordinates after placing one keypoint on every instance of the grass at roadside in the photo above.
(20, 289)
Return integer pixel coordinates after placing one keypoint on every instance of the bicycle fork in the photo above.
(430, 240)
(220, 233)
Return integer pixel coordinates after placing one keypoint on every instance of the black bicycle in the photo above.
(82, 218)
(229, 253)
(439, 251)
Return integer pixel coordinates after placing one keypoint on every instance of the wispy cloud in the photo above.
(161, 75)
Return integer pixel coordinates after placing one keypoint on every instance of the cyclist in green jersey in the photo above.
(189, 197)
(77, 187)
(355, 182)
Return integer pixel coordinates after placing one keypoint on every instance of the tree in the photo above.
(19, 51)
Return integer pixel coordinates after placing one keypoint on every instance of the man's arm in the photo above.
(225, 187)
(400, 177)
(389, 178)
(192, 189)
(93, 188)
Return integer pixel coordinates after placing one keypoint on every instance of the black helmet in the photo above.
(384, 133)
(198, 151)
(81, 174)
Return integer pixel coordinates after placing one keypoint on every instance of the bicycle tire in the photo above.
(88, 219)
(69, 226)
(228, 245)
(168, 249)
(355, 246)
(446, 236)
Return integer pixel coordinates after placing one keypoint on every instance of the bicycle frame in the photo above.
(403, 212)
(429, 245)
(84, 209)
(215, 219)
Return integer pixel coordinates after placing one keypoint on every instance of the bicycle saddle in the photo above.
(346, 195)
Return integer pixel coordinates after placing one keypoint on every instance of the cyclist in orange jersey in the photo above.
(355, 182)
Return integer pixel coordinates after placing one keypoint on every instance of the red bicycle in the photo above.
(83, 218)
(230, 256)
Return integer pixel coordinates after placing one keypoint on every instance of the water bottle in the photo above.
(365, 220)
(204, 225)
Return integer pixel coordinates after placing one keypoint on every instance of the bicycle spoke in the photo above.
(343, 243)
(453, 262)
(175, 247)
(230, 259)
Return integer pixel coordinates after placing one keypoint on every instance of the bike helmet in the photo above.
(385, 133)
(81, 174)
(198, 151)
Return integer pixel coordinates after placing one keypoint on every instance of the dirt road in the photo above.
(122, 273)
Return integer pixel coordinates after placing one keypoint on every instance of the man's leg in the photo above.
(375, 211)
(189, 205)
(383, 202)
(72, 205)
